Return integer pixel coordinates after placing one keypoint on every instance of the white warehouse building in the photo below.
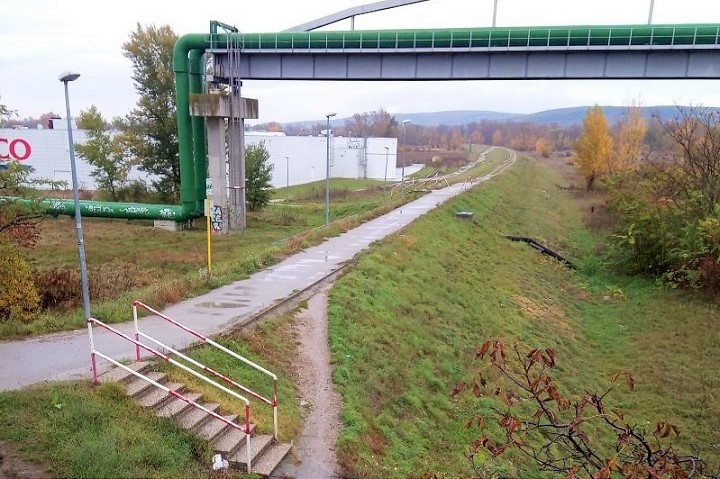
(295, 159)
(302, 159)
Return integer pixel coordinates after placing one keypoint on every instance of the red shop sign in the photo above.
(15, 149)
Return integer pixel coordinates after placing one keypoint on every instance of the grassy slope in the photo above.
(405, 321)
(76, 431)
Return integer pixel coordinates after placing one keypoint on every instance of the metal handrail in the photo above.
(94, 352)
(270, 402)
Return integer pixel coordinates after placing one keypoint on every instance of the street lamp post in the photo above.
(67, 77)
(287, 170)
(402, 180)
(327, 169)
(387, 150)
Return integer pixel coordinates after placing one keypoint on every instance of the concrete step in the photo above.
(194, 417)
(270, 459)
(176, 406)
(213, 427)
(258, 445)
(155, 397)
(227, 443)
(136, 386)
(117, 375)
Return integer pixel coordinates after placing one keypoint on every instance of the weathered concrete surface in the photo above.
(66, 355)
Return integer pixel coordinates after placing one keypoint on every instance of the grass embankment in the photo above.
(405, 322)
(74, 430)
(131, 260)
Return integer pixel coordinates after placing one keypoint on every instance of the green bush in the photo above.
(18, 297)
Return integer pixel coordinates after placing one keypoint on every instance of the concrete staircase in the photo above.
(225, 440)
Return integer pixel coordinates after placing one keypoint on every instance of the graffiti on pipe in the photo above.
(216, 218)
(56, 205)
(167, 213)
(137, 210)
(97, 209)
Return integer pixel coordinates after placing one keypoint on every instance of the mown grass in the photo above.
(405, 322)
(162, 267)
(78, 431)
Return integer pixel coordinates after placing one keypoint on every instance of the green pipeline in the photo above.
(107, 209)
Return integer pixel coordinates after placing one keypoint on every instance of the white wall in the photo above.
(50, 156)
(349, 158)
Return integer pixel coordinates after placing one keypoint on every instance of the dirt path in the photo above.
(315, 451)
(12, 466)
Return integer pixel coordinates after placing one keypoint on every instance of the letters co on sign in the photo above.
(14, 149)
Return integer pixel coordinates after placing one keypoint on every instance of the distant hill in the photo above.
(561, 116)
(575, 115)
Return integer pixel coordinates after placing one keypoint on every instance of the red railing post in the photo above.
(137, 331)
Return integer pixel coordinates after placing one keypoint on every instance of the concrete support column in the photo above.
(219, 214)
(237, 175)
(228, 177)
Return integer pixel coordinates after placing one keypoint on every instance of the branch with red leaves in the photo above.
(556, 436)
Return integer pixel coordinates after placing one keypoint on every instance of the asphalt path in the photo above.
(66, 355)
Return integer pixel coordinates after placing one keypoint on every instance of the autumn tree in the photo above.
(378, 123)
(695, 172)
(107, 153)
(497, 138)
(20, 212)
(543, 147)
(152, 125)
(594, 148)
(258, 176)
(477, 137)
(45, 118)
(630, 141)
(583, 437)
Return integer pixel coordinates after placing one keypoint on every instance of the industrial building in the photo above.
(295, 159)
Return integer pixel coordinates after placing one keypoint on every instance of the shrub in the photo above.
(18, 297)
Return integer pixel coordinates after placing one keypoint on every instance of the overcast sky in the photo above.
(42, 38)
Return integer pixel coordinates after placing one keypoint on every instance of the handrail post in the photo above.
(247, 437)
(137, 332)
(275, 410)
(93, 363)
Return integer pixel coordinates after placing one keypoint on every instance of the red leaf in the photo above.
(551, 357)
(480, 353)
(476, 389)
(459, 387)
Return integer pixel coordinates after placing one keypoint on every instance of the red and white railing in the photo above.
(165, 355)
(246, 429)
(272, 402)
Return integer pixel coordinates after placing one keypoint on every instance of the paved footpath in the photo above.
(62, 356)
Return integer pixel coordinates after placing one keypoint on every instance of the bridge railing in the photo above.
(589, 37)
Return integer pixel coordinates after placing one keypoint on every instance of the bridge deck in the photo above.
(585, 52)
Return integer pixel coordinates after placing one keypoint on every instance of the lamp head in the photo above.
(405, 122)
(68, 76)
(330, 114)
